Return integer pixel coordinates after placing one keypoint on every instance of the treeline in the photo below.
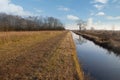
(18, 23)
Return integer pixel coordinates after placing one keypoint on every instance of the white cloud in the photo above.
(113, 17)
(38, 10)
(101, 1)
(100, 14)
(62, 8)
(72, 17)
(106, 26)
(99, 7)
(6, 6)
(72, 26)
(89, 23)
(98, 25)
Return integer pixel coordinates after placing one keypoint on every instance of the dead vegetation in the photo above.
(107, 39)
(45, 55)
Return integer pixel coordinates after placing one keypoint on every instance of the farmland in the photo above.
(38, 55)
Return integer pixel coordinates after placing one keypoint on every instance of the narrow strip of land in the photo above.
(106, 39)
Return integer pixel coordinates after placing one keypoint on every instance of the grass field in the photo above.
(42, 55)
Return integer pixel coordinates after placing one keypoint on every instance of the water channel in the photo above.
(100, 63)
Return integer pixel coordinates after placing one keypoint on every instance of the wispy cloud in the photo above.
(113, 17)
(6, 6)
(38, 10)
(100, 4)
(62, 8)
(72, 17)
(101, 1)
(99, 7)
(90, 22)
(100, 14)
(72, 26)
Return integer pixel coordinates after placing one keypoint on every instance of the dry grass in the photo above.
(105, 34)
(45, 55)
(7, 37)
(15, 42)
(111, 39)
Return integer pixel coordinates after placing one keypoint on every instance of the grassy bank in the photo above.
(106, 39)
(42, 55)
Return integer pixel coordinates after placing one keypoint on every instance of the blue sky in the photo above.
(101, 14)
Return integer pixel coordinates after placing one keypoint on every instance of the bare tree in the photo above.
(82, 24)
(11, 23)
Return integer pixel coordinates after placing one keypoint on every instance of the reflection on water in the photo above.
(81, 40)
(99, 62)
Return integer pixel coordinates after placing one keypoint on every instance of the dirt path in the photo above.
(53, 59)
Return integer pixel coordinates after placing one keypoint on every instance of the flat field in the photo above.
(38, 55)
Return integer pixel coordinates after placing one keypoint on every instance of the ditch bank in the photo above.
(68, 49)
(109, 44)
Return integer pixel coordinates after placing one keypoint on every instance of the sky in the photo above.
(100, 14)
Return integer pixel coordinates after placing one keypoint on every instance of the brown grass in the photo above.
(15, 42)
(106, 39)
(45, 55)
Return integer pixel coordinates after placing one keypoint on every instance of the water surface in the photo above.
(97, 61)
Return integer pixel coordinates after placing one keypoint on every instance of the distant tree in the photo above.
(17, 23)
(82, 24)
